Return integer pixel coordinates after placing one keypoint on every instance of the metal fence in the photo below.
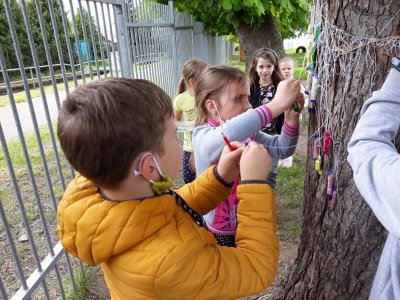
(130, 38)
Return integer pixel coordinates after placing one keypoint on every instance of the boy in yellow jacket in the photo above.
(119, 212)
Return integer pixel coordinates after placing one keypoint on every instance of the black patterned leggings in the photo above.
(225, 240)
(187, 173)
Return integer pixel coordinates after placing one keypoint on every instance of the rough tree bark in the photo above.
(266, 34)
(339, 250)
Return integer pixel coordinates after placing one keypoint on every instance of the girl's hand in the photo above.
(255, 163)
(286, 94)
(229, 162)
(291, 116)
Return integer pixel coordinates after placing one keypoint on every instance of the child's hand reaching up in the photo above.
(286, 95)
(228, 164)
(255, 163)
(292, 117)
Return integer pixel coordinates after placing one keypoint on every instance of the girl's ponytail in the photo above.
(181, 87)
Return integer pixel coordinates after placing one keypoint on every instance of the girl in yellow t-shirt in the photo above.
(185, 109)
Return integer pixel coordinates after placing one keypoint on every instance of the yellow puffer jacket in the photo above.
(152, 248)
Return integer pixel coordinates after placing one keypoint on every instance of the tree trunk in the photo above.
(340, 248)
(266, 35)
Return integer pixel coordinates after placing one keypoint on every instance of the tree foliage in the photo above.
(6, 41)
(223, 16)
(48, 26)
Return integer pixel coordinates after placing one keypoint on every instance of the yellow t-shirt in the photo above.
(185, 103)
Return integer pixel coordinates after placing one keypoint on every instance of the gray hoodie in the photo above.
(208, 144)
(376, 176)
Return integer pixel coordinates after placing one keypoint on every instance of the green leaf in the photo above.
(227, 4)
(290, 6)
(248, 3)
(273, 11)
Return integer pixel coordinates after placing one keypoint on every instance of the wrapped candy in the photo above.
(327, 143)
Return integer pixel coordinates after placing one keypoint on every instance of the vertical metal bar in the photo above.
(112, 40)
(100, 39)
(93, 39)
(85, 38)
(106, 36)
(77, 42)
(192, 34)
(139, 44)
(118, 42)
(3, 216)
(47, 51)
(33, 81)
(160, 62)
(150, 42)
(68, 41)
(126, 66)
(44, 101)
(174, 50)
(70, 271)
(135, 45)
(142, 42)
(3, 292)
(59, 281)
(166, 32)
(22, 141)
(59, 49)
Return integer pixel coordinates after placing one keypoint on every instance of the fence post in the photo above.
(123, 42)
(174, 50)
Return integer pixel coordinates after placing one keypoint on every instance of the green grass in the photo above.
(20, 97)
(290, 187)
(235, 62)
(16, 153)
(83, 283)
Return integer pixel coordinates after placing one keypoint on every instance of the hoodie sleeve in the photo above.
(200, 270)
(238, 128)
(373, 157)
(282, 145)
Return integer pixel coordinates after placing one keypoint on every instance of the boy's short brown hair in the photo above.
(104, 125)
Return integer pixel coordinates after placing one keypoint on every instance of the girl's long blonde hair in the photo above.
(211, 85)
(192, 69)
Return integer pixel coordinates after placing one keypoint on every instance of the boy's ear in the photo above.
(149, 170)
(210, 105)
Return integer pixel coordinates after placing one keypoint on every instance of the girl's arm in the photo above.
(283, 145)
(178, 108)
(208, 142)
(178, 115)
(208, 190)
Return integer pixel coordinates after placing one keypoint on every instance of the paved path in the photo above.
(7, 118)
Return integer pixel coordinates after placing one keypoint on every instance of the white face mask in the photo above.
(139, 172)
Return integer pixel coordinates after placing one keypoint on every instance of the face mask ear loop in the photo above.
(139, 172)
(157, 166)
(219, 119)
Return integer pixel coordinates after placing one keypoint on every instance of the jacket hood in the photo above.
(95, 229)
